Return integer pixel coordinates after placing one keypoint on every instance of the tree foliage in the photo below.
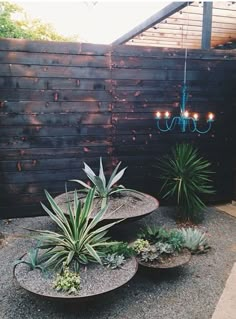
(15, 23)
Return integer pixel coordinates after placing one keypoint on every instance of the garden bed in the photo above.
(168, 262)
(191, 291)
(126, 205)
(95, 280)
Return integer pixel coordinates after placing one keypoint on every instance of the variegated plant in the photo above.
(79, 240)
(104, 188)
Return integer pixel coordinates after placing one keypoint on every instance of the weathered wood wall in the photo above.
(65, 103)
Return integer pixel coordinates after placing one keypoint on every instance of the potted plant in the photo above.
(186, 178)
(123, 203)
(78, 260)
(161, 248)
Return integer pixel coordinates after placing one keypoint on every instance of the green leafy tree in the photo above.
(15, 23)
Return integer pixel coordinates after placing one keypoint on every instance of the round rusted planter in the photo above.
(99, 285)
(129, 206)
(174, 261)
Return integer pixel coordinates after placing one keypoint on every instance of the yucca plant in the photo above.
(186, 178)
(79, 240)
(104, 188)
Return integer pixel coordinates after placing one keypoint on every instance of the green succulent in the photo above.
(140, 245)
(120, 248)
(150, 253)
(114, 261)
(194, 240)
(155, 235)
(164, 248)
(67, 281)
(154, 252)
(33, 260)
(150, 233)
(186, 178)
(104, 188)
(175, 239)
(79, 240)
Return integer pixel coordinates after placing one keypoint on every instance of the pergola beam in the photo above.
(207, 25)
(154, 19)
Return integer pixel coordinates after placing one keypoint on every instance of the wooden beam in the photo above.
(154, 19)
(206, 25)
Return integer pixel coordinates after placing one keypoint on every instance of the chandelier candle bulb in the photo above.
(167, 115)
(195, 116)
(210, 117)
(158, 115)
(186, 114)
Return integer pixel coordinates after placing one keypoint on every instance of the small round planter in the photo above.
(129, 206)
(171, 262)
(95, 280)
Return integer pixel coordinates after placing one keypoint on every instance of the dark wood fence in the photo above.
(65, 103)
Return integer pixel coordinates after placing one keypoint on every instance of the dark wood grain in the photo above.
(62, 104)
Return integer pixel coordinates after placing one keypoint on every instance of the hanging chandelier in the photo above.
(186, 121)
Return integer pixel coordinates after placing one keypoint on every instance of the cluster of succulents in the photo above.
(116, 255)
(154, 243)
(67, 281)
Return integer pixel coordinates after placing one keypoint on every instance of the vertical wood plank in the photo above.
(207, 25)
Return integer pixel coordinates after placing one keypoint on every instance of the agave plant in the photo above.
(104, 188)
(194, 240)
(79, 240)
(186, 177)
(33, 260)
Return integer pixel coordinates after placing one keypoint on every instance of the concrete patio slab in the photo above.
(226, 307)
(228, 209)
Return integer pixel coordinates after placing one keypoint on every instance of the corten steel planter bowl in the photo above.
(129, 206)
(96, 280)
(173, 262)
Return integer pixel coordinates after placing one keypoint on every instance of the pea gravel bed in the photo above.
(95, 279)
(188, 292)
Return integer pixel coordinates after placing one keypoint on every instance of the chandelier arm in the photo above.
(195, 128)
(168, 127)
(205, 131)
(192, 127)
(172, 123)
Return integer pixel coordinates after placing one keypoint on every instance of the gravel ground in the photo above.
(188, 292)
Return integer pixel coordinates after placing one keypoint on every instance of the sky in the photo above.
(94, 21)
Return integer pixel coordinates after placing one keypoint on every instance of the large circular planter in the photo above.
(95, 280)
(172, 262)
(128, 206)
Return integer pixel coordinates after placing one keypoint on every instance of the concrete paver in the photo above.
(226, 307)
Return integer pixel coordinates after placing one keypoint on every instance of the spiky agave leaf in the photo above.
(103, 190)
(80, 239)
(194, 239)
(33, 260)
(101, 173)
